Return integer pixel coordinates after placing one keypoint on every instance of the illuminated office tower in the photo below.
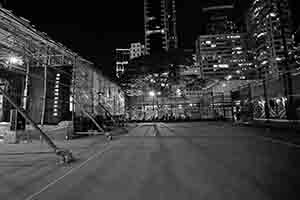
(269, 25)
(160, 25)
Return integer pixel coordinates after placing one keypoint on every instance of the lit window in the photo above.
(224, 66)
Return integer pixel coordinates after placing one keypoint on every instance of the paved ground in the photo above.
(162, 161)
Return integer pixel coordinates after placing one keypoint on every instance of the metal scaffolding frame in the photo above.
(21, 39)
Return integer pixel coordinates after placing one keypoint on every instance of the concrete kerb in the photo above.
(117, 131)
(268, 125)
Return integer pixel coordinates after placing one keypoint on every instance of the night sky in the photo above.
(95, 28)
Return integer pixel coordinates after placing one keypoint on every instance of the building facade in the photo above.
(269, 25)
(51, 86)
(122, 59)
(123, 56)
(160, 25)
(137, 50)
(219, 19)
(223, 56)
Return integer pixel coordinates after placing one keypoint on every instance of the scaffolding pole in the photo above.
(45, 90)
(89, 116)
(65, 154)
(73, 93)
(109, 114)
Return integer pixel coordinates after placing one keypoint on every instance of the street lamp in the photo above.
(152, 94)
(178, 92)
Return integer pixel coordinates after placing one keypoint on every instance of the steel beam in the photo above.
(65, 154)
(88, 115)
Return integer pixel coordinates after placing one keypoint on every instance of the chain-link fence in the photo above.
(209, 106)
(276, 98)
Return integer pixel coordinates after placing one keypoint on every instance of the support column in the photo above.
(45, 88)
(65, 154)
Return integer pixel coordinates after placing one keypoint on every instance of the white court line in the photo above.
(276, 141)
(170, 130)
(106, 148)
(269, 139)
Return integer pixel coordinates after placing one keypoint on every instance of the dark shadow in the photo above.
(25, 153)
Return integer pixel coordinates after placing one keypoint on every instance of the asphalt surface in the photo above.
(204, 160)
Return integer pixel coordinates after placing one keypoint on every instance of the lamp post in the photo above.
(152, 94)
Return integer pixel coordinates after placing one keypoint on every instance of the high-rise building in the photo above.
(223, 56)
(269, 25)
(122, 59)
(219, 19)
(136, 50)
(160, 25)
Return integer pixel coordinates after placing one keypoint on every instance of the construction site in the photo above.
(43, 85)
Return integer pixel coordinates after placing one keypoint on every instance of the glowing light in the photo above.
(152, 94)
(228, 77)
(178, 92)
(13, 60)
(278, 101)
(224, 66)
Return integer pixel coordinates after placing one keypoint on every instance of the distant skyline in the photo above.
(94, 31)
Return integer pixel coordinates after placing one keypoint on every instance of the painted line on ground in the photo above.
(277, 141)
(269, 139)
(107, 147)
(130, 130)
